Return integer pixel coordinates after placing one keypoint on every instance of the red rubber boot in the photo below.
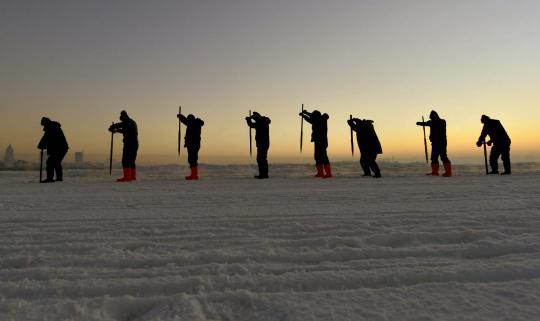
(447, 170)
(328, 171)
(127, 176)
(434, 170)
(194, 174)
(133, 174)
(320, 172)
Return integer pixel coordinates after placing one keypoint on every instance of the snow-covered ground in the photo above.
(405, 247)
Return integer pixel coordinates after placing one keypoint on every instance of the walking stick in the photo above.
(111, 152)
(41, 165)
(352, 144)
(250, 138)
(425, 141)
(179, 131)
(302, 129)
(485, 158)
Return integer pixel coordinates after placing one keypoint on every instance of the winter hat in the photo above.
(44, 121)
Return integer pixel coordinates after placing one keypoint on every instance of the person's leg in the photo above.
(319, 160)
(435, 153)
(446, 162)
(326, 162)
(193, 159)
(50, 165)
(127, 161)
(364, 164)
(133, 163)
(58, 167)
(262, 162)
(505, 155)
(374, 166)
(494, 159)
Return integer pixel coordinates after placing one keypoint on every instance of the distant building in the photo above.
(9, 157)
(79, 158)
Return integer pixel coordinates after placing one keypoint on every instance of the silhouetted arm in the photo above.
(250, 122)
(117, 128)
(307, 116)
(353, 124)
(482, 137)
(44, 141)
(183, 119)
(425, 123)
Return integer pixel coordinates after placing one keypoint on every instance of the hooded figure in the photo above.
(319, 136)
(55, 143)
(437, 136)
(192, 141)
(128, 128)
(369, 145)
(501, 144)
(261, 125)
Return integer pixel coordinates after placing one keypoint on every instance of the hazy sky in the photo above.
(82, 62)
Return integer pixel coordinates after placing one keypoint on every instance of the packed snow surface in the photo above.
(348, 248)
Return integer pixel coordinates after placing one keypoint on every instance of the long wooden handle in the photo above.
(302, 129)
(250, 138)
(179, 131)
(425, 141)
(485, 158)
(352, 143)
(111, 152)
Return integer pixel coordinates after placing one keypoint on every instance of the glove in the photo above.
(178, 116)
(419, 123)
(111, 129)
(478, 143)
(489, 143)
(248, 118)
(300, 114)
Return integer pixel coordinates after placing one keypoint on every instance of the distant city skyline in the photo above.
(81, 63)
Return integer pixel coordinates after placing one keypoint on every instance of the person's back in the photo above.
(130, 132)
(193, 131)
(496, 132)
(320, 129)
(437, 133)
(367, 139)
(54, 139)
(262, 132)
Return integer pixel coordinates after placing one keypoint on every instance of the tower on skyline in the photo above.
(9, 157)
(79, 158)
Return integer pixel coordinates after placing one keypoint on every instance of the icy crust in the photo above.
(402, 248)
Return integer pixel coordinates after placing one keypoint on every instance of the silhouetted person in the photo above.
(437, 136)
(55, 143)
(261, 125)
(319, 136)
(192, 141)
(369, 145)
(501, 144)
(128, 128)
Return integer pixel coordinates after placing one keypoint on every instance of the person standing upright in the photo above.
(261, 125)
(369, 145)
(501, 144)
(192, 141)
(319, 136)
(55, 143)
(437, 136)
(128, 128)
